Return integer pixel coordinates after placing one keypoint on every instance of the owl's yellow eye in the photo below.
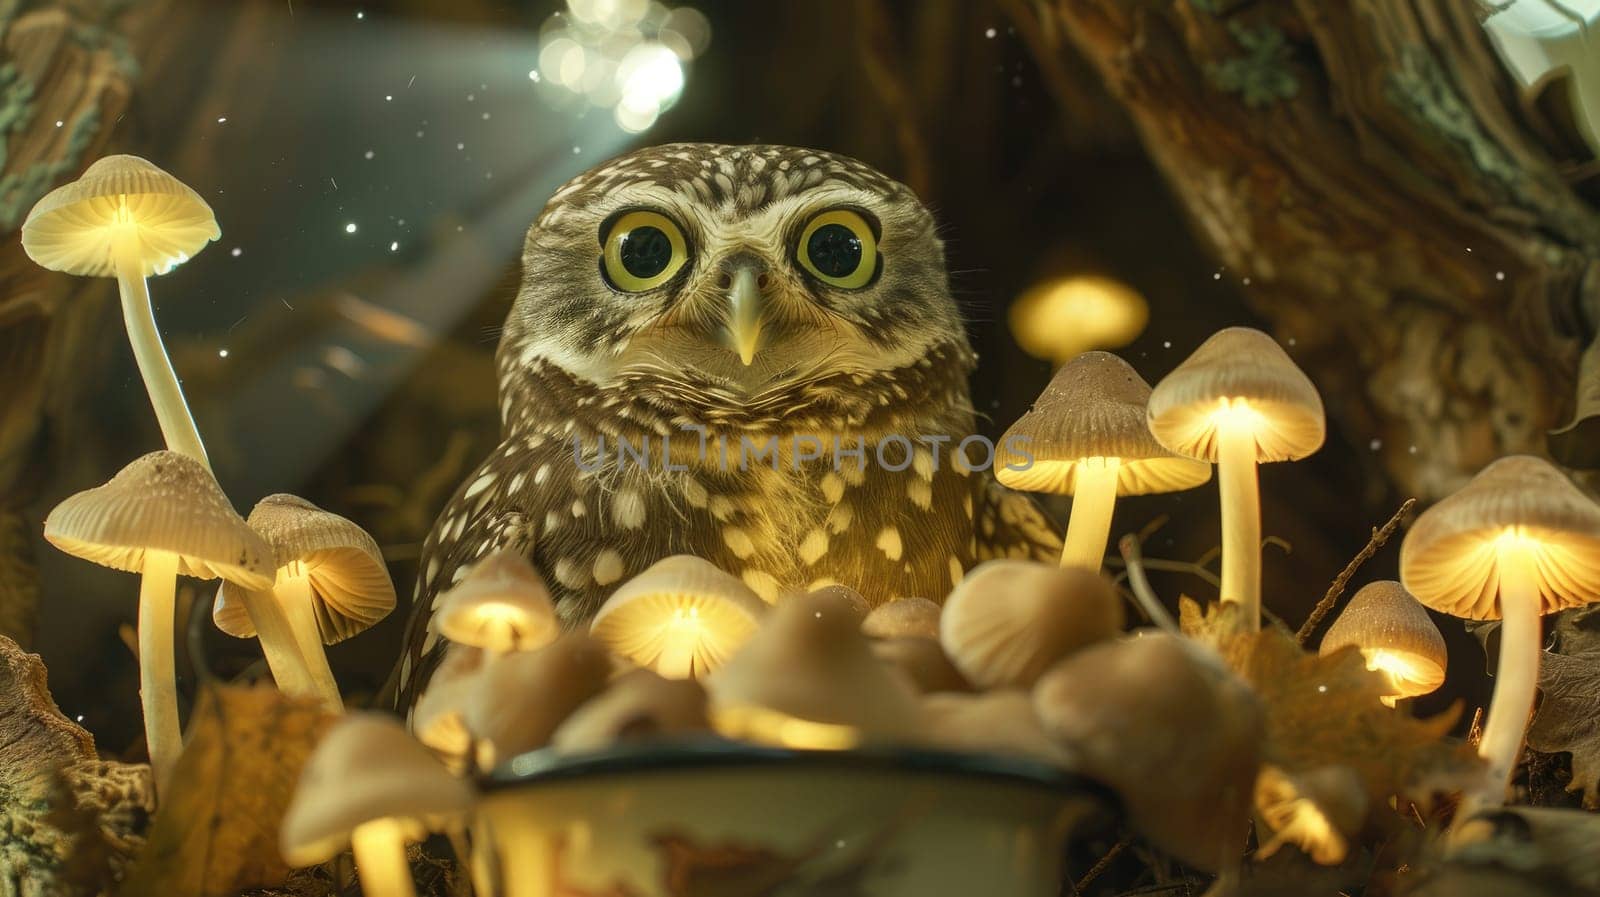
(840, 249)
(643, 249)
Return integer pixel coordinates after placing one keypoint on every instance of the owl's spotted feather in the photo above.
(581, 359)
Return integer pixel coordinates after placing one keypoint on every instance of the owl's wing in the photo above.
(1012, 525)
(465, 531)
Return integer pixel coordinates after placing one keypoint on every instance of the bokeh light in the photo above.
(629, 56)
(1062, 317)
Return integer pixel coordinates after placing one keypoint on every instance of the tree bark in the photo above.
(1390, 204)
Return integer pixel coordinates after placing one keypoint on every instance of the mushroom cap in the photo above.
(1396, 635)
(1161, 721)
(1009, 620)
(903, 618)
(520, 699)
(367, 767)
(501, 604)
(996, 722)
(73, 228)
(1319, 811)
(1238, 366)
(923, 662)
(163, 501)
(1450, 558)
(849, 600)
(1094, 408)
(676, 597)
(638, 705)
(807, 678)
(348, 578)
(439, 719)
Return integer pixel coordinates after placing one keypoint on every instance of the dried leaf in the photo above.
(217, 832)
(1568, 719)
(1324, 711)
(67, 821)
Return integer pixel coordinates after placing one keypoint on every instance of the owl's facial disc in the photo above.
(743, 269)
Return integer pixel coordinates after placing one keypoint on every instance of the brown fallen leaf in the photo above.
(1568, 719)
(217, 832)
(68, 821)
(1324, 711)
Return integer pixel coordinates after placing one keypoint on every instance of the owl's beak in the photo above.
(746, 305)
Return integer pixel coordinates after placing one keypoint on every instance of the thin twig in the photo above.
(1148, 602)
(1105, 861)
(1379, 536)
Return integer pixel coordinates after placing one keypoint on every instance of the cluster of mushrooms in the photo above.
(1022, 658)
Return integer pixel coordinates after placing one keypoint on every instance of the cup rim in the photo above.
(662, 756)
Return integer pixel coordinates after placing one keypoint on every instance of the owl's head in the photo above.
(742, 269)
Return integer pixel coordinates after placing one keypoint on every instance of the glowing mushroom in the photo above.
(1396, 637)
(1086, 436)
(903, 618)
(638, 705)
(331, 584)
(501, 606)
(1319, 811)
(161, 516)
(371, 786)
(1239, 401)
(807, 679)
(1162, 722)
(128, 219)
(1063, 316)
(439, 717)
(1010, 620)
(1517, 542)
(996, 722)
(519, 700)
(681, 617)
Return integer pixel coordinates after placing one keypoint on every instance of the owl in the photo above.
(745, 353)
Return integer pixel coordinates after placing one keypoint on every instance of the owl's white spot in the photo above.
(458, 574)
(966, 505)
(721, 507)
(542, 474)
(579, 508)
(569, 574)
(516, 483)
(889, 543)
(822, 583)
(854, 474)
(607, 567)
(552, 522)
(988, 526)
(627, 509)
(832, 488)
(959, 462)
(739, 542)
(762, 583)
(922, 463)
(480, 484)
(432, 571)
(839, 518)
(921, 494)
(693, 492)
(955, 570)
(814, 546)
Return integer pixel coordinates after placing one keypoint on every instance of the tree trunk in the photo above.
(1388, 201)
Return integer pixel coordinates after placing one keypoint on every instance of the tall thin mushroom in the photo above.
(128, 219)
(1086, 436)
(331, 583)
(1515, 543)
(161, 516)
(1239, 401)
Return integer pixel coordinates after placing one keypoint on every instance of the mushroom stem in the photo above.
(1241, 515)
(278, 644)
(380, 850)
(1516, 676)
(158, 689)
(160, 381)
(676, 660)
(293, 594)
(1094, 497)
